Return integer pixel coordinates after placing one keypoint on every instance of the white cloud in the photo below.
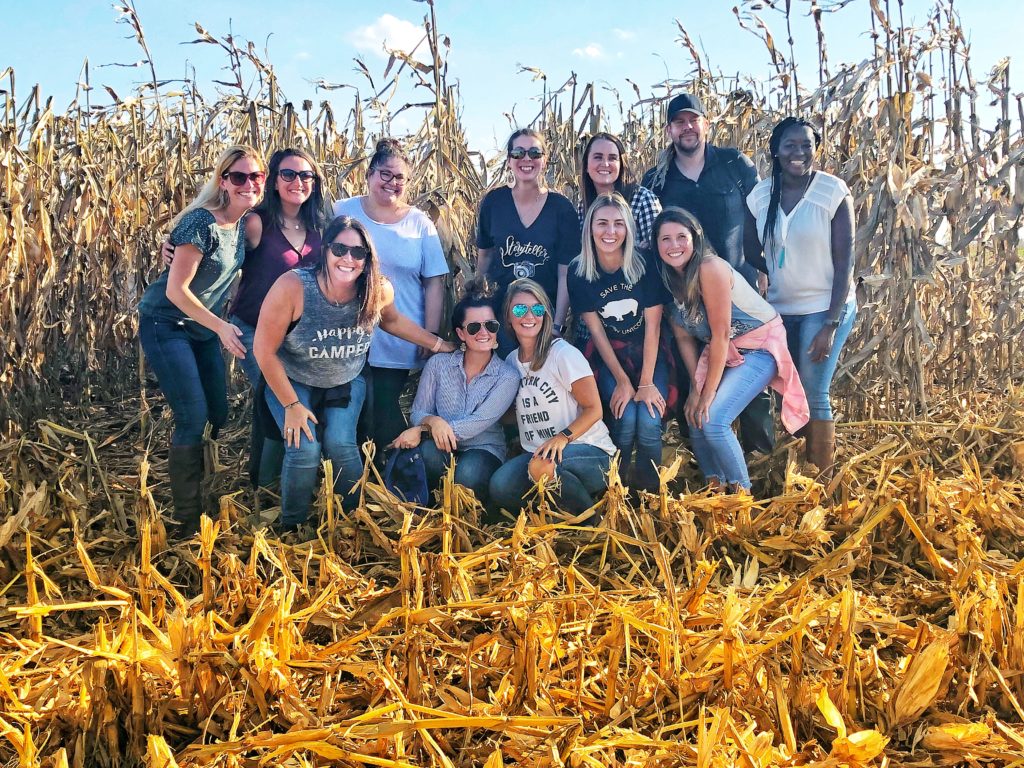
(303, 56)
(624, 34)
(589, 51)
(391, 32)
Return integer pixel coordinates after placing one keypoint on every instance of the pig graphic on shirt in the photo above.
(619, 309)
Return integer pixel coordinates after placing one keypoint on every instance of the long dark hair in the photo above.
(772, 215)
(532, 133)
(370, 284)
(623, 183)
(684, 286)
(313, 212)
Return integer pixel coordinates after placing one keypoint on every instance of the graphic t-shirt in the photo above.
(409, 251)
(619, 303)
(535, 251)
(545, 405)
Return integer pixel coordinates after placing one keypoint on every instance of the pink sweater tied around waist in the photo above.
(771, 337)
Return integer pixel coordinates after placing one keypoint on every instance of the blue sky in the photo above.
(46, 42)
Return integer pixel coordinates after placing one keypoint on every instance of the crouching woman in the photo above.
(558, 410)
(311, 343)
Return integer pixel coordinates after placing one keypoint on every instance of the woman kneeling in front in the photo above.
(558, 410)
(311, 342)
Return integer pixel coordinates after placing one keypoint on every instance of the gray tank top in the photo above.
(326, 347)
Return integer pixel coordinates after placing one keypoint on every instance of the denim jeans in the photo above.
(191, 376)
(384, 420)
(249, 365)
(583, 473)
(271, 451)
(817, 377)
(337, 431)
(636, 427)
(473, 467)
(715, 445)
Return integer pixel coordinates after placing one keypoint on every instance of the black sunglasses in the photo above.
(491, 326)
(237, 178)
(289, 175)
(535, 153)
(357, 252)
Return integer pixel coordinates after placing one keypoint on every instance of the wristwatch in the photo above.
(567, 434)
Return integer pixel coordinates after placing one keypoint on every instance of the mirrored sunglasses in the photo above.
(520, 310)
(534, 153)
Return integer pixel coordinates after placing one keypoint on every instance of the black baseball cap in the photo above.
(685, 102)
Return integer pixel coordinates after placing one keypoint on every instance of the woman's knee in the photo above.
(306, 455)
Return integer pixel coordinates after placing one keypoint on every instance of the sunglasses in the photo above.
(520, 310)
(491, 326)
(289, 175)
(357, 252)
(237, 178)
(534, 153)
(386, 176)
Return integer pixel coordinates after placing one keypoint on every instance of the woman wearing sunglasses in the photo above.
(620, 299)
(284, 234)
(180, 324)
(558, 410)
(526, 230)
(311, 343)
(411, 257)
(460, 399)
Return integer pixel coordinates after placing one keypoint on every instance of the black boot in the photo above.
(185, 467)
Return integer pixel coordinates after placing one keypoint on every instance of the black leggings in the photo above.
(382, 418)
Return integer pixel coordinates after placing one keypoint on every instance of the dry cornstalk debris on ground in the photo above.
(686, 629)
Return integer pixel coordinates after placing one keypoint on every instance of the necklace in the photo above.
(323, 292)
(288, 225)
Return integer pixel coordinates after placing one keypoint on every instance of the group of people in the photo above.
(751, 280)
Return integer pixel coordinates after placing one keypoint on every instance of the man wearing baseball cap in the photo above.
(712, 183)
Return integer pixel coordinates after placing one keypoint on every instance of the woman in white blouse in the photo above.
(799, 231)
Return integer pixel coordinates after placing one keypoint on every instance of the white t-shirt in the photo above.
(409, 251)
(545, 405)
(800, 267)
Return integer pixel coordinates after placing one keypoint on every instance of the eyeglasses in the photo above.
(357, 252)
(534, 153)
(520, 310)
(289, 175)
(491, 326)
(237, 178)
(386, 176)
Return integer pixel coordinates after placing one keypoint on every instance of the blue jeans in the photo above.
(636, 427)
(191, 376)
(817, 377)
(473, 467)
(271, 451)
(583, 473)
(715, 445)
(337, 430)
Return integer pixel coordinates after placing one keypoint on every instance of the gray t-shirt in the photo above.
(223, 250)
(326, 347)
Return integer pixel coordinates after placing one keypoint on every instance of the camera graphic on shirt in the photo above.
(522, 269)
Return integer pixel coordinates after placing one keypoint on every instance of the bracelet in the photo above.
(292, 405)
(645, 386)
(437, 344)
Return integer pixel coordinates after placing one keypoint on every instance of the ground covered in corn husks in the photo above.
(877, 621)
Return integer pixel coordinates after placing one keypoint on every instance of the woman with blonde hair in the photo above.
(311, 342)
(180, 323)
(620, 297)
(558, 411)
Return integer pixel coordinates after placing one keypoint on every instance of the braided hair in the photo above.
(772, 215)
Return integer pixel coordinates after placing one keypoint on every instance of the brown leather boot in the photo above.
(821, 447)
(185, 467)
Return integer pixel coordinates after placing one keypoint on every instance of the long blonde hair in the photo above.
(683, 285)
(586, 262)
(546, 337)
(211, 196)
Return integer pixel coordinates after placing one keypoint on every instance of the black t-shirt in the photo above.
(619, 304)
(535, 251)
(717, 199)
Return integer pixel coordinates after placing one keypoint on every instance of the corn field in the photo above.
(877, 621)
